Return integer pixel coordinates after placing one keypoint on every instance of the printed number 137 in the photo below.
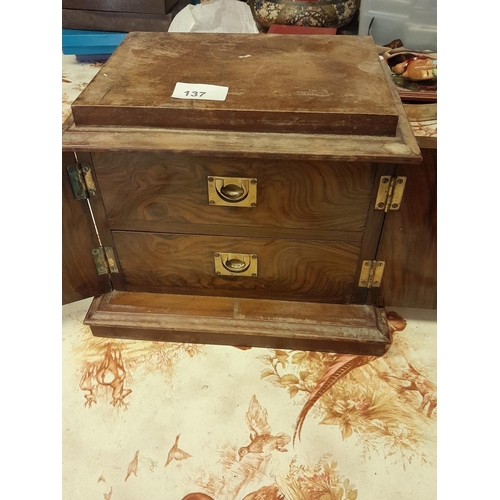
(194, 93)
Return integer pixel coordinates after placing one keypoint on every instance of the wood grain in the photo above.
(136, 6)
(312, 84)
(114, 21)
(100, 219)
(163, 188)
(371, 236)
(287, 269)
(79, 275)
(409, 240)
(241, 144)
(240, 322)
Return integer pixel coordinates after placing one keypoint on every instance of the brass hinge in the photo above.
(390, 193)
(371, 273)
(82, 183)
(104, 260)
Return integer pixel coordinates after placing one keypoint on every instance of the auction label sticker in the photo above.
(200, 91)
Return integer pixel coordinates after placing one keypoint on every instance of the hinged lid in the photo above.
(277, 83)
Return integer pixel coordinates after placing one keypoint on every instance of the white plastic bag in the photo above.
(218, 16)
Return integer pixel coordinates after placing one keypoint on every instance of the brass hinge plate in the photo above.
(82, 183)
(104, 260)
(371, 273)
(390, 193)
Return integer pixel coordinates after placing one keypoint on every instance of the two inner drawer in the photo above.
(178, 224)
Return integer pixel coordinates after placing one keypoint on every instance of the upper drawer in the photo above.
(169, 192)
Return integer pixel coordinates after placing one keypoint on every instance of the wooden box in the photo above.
(118, 15)
(253, 220)
(128, 6)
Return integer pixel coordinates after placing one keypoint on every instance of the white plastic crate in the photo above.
(412, 21)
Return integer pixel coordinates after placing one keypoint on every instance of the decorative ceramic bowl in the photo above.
(317, 13)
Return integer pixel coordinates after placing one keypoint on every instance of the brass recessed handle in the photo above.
(231, 264)
(232, 191)
(235, 265)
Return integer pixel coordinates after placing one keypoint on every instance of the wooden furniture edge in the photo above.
(250, 145)
(427, 142)
(110, 319)
(404, 126)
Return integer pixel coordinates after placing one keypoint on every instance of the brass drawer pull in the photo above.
(232, 191)
(231, 264)
(237, 265)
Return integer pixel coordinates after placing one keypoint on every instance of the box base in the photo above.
(353, 329)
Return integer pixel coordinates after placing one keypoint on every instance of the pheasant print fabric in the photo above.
(184, 422)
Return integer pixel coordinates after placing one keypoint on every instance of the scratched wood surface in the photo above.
(292, 83)
(240, 322)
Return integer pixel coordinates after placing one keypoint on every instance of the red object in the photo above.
(282, 29)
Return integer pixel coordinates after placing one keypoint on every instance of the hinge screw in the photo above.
(385, 180)
(395, 205)
(381, 205)
(400, 181)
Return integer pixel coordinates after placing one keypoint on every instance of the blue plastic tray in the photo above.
(83, 42)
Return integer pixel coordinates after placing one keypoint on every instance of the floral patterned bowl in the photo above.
(317, 13)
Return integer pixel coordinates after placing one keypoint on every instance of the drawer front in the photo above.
(169, 192)
(286, 269)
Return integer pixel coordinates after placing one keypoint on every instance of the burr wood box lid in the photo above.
(311, 84)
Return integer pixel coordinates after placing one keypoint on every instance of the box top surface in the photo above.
(276, 83)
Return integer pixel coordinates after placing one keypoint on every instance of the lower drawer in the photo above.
(280, 269)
